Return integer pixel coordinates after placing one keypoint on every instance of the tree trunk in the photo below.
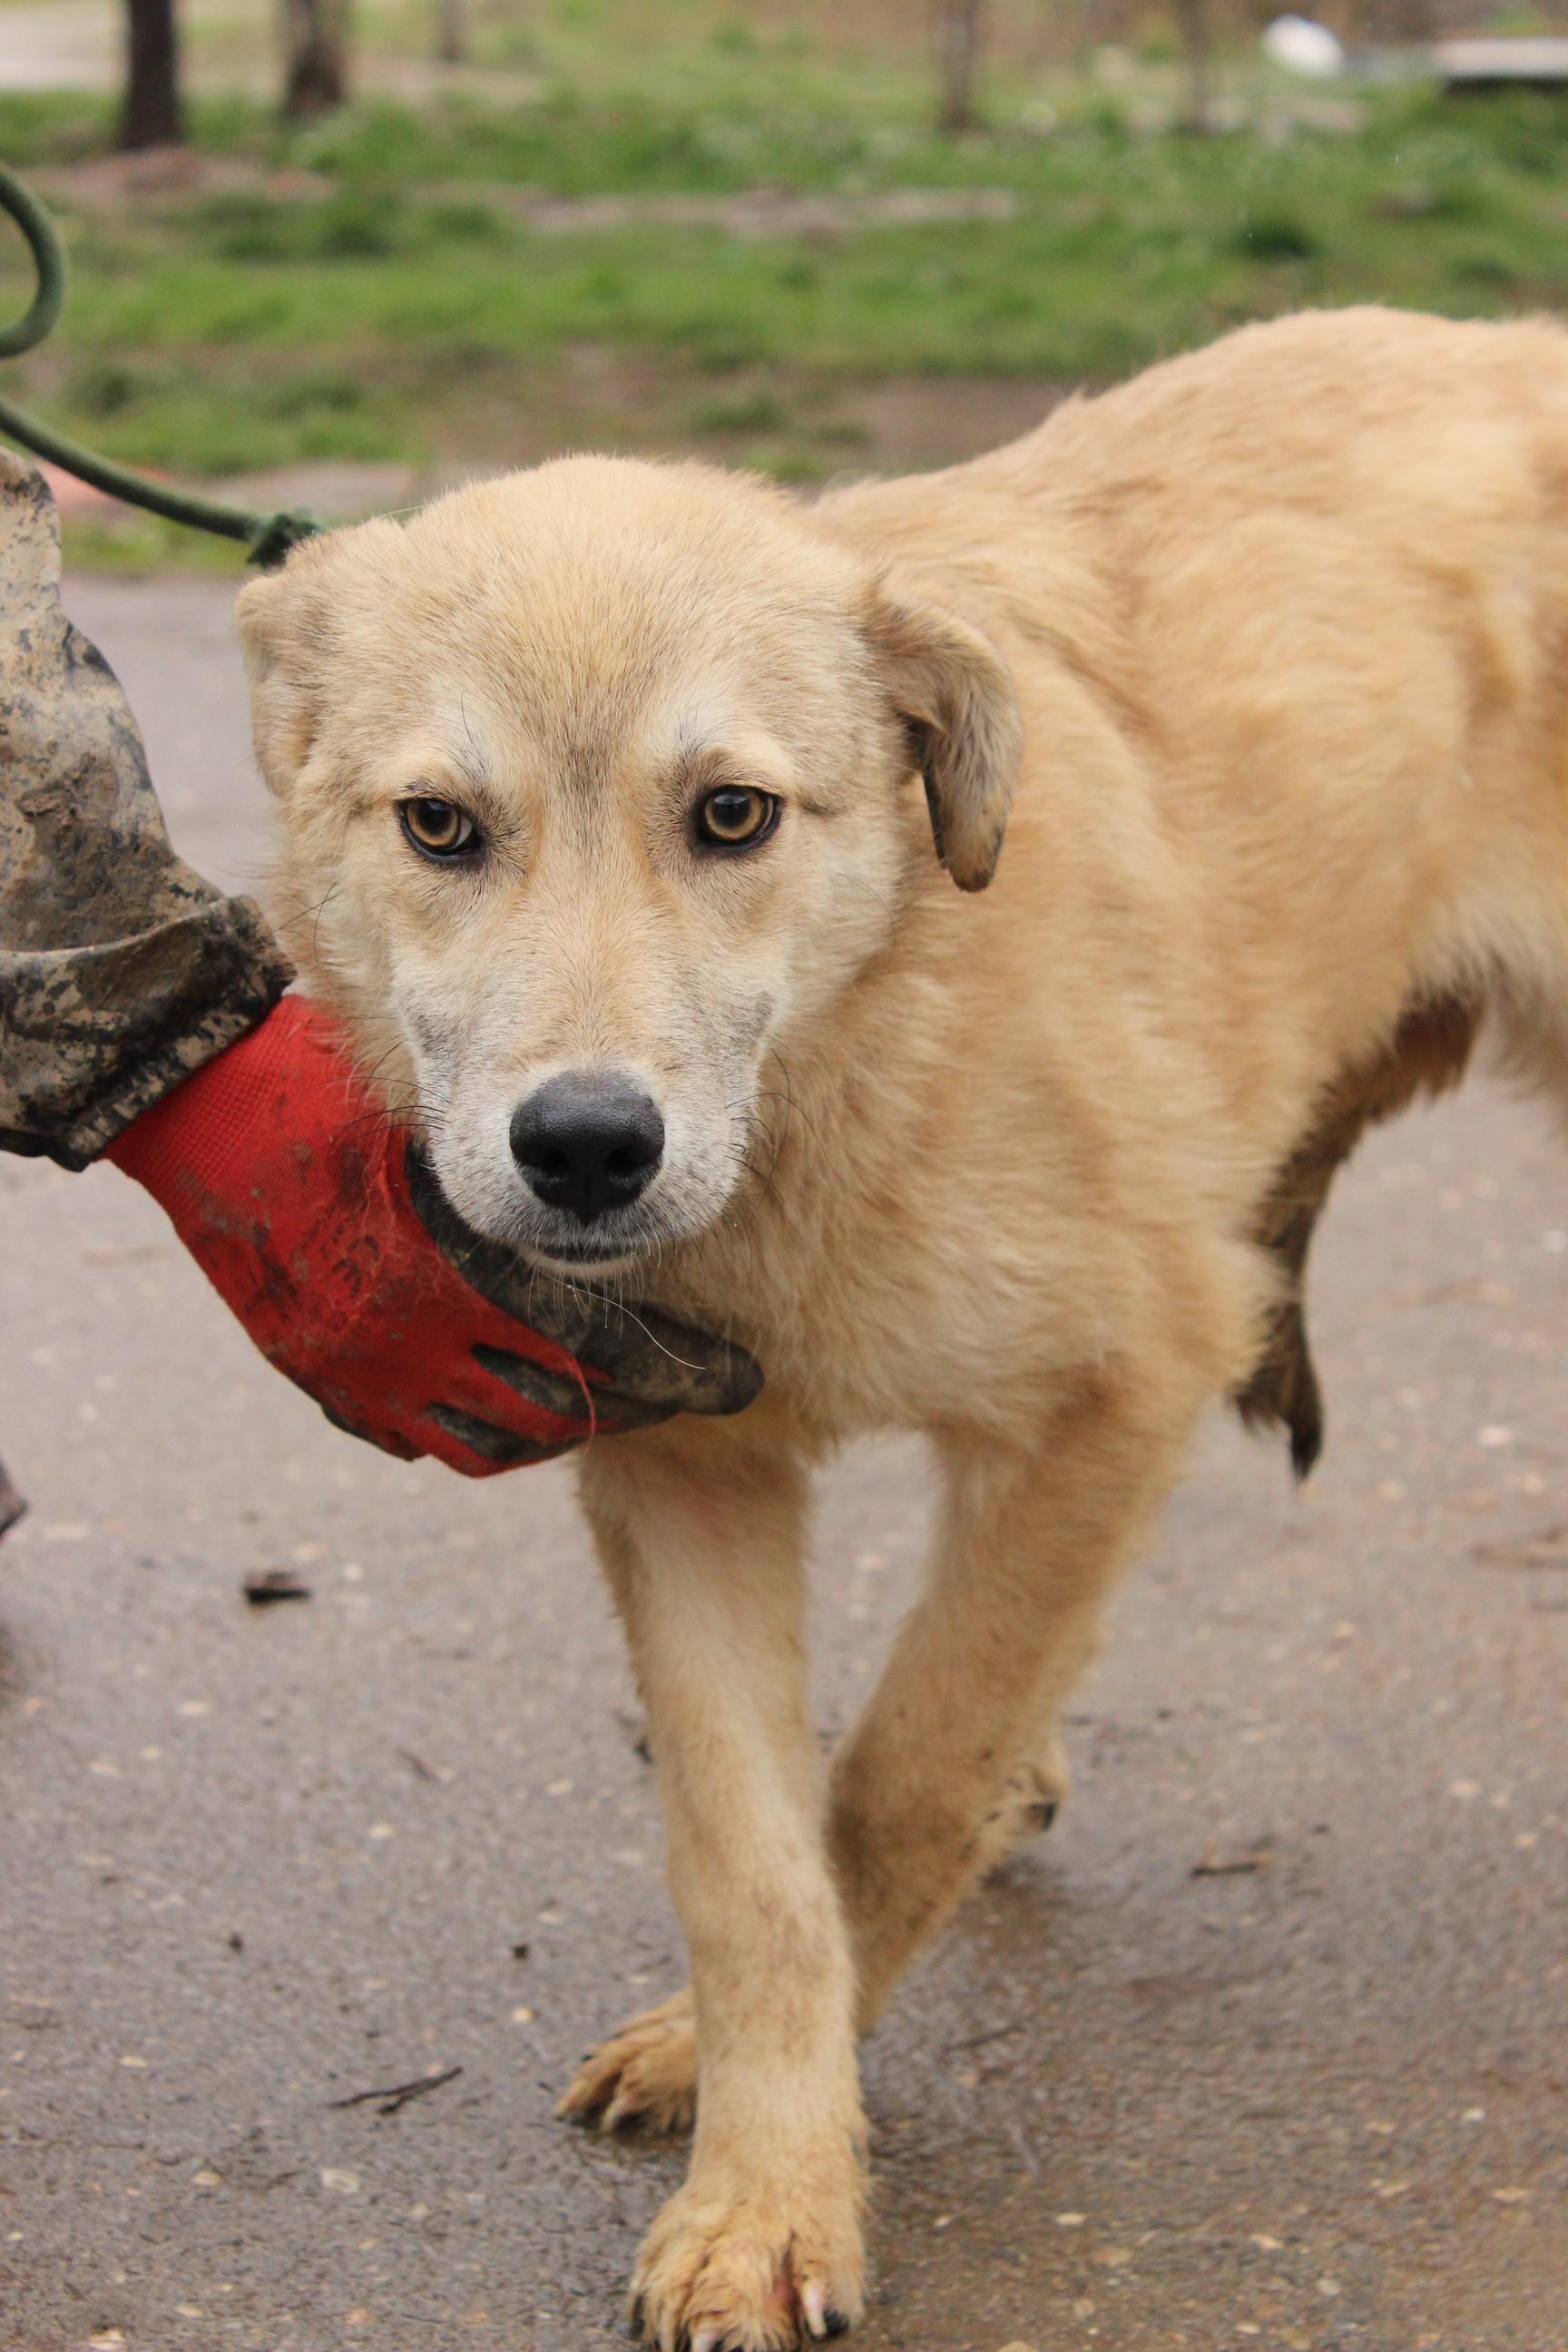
(960, 31)
(1192, 21)
(452, 32)
(151, 115)
(315, 57)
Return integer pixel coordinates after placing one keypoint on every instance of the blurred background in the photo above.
(357, 251)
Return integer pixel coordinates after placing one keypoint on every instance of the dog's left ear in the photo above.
(955, 697)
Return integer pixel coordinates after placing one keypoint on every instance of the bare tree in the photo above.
(451, 31)
(1192, 22)
(151, 115)
(315, 57)
(960, 37)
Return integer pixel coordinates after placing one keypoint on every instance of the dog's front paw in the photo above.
(757, 2263)
(646, 2073)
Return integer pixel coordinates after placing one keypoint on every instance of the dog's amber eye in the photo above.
(736, 817)
(438, 828)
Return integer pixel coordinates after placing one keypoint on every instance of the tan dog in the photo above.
(604, 786)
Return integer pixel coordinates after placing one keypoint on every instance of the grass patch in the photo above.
(138, 544)
(755, 411)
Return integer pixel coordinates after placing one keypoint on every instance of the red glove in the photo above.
(322, 1226)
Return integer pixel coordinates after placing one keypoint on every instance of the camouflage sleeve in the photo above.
(120, 970)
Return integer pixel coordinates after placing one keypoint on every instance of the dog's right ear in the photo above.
(282, 618)
(954, 696)
(288, 632)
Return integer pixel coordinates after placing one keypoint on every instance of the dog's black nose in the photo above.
(587, 1142)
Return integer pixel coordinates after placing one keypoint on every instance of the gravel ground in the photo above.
(1266, 2045)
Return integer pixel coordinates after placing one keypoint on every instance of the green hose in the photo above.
(269, 536)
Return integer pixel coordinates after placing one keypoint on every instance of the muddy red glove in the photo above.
(323, 1230)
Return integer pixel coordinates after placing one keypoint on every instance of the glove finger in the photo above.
(558, 1393)
(644, 1354)
(502, 1446)
(553, 1392)
(385, 1444)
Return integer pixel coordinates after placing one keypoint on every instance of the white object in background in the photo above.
(1304, 46)
(1517, 60)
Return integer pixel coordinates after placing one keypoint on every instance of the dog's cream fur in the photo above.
(1269, 653)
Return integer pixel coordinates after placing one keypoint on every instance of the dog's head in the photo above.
(597, 782)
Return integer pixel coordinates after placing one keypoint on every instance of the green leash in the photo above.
(269, 536)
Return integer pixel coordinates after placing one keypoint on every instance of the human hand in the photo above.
(321, 1227)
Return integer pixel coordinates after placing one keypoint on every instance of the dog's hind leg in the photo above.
(1029, 1546)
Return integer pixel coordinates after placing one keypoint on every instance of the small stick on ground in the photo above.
(399, 2095)
(267, 1585)
(1209, 1864)
(1547, 1550)
(992, 2033)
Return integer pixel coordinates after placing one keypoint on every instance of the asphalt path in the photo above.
(1266, 2046)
